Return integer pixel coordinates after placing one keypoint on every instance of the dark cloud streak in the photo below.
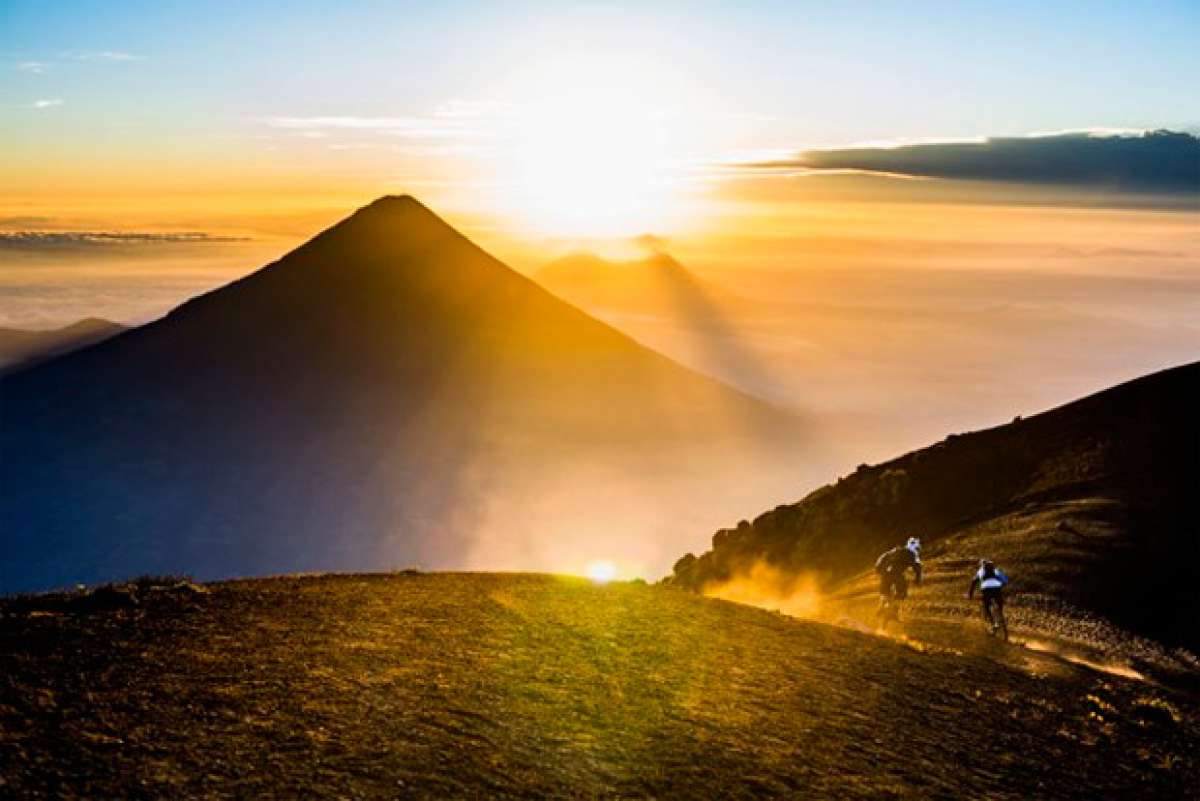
(1155, 162)
(52, 239)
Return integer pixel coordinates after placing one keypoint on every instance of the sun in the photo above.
(601, 571)
(592, 151)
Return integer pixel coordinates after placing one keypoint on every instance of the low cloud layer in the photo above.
(1152, 162)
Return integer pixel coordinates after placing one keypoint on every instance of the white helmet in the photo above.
(913, 545)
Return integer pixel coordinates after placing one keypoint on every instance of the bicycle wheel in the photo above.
(889, 616)
(989, 618)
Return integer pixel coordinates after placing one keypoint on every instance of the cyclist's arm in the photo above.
(973, 587)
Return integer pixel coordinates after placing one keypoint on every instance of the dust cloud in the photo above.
(768, 587)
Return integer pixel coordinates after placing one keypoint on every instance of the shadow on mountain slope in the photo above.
(659, 286)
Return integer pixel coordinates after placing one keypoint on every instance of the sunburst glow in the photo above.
(592, 150)
(601, 571)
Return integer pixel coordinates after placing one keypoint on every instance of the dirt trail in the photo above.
(1048, 632)
(532, 686)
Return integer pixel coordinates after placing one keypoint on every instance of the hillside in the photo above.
(20, 348)
(507, 686)
(1091, 507)
(387, 394)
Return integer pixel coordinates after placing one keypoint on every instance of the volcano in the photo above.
(385, 395)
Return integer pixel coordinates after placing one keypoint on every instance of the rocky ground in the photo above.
(490, 685)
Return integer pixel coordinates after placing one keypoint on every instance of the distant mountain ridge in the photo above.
(1093, 505)
(22, 347)
(386, 394)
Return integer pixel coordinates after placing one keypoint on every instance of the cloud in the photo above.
(110, 56)
(434, 127)
(457, 126)
(34, 67)
(472, 109)
(1146, 162)
(46, 103)
(51, 239)
(27, 221)
(343, 123)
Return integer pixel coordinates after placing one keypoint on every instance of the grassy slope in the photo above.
(451, 685)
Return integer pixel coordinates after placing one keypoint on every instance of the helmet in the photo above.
(913, 544)
(986, 563)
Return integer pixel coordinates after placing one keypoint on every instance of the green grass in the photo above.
(490, 685)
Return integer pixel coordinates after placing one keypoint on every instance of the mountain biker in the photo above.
(990, 581)
(892, 566)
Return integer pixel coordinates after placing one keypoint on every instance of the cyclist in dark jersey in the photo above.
(892, 567)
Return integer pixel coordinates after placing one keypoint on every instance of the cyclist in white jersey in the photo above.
(990, 581)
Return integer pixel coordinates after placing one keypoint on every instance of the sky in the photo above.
(790, 135)
(548, 119)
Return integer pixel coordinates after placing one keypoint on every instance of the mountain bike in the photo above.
(993, 616)
(887, 618)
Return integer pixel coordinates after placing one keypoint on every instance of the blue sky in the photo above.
(832, 72)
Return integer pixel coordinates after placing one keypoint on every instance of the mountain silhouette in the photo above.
(20, 348)
(386, 394)
(1092, 507)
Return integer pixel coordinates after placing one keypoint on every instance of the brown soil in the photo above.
(490, 685)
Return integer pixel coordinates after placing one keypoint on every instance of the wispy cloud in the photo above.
(473, 109)
(46, 103)
(40, 67)
(432, 127)
(100, 55)
(45, 239)
(456, 120)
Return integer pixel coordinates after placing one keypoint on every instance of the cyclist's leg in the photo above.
(993, 609)
(899, 593)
